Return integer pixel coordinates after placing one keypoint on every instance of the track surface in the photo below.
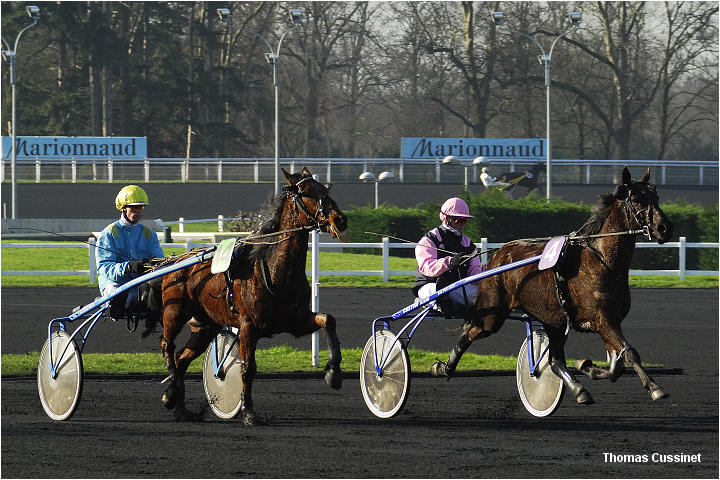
(472, 426)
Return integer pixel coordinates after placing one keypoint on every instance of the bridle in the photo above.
(631, 210)
(320, 217)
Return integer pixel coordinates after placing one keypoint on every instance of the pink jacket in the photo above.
(429, 264)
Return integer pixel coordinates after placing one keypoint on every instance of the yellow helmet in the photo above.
(131, 195)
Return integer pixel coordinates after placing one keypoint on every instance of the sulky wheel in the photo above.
(60, 395)
(224, 391)
(385, 394)
(542, 393)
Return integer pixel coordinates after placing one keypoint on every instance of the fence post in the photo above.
(483, 250)
(221, 226)
(315, 278)
(181, 224)
(74, 171)
(328, 175)
(437, 171)
(91, 259)
(37, 170)
(220, 173)
(401, 171)
(110, 171)
(188, 245)
(682, 257)
(386, 259)
(146, 166)
(256, 171)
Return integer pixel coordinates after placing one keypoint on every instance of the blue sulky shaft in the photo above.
(473, 278)
(198, 258)
(90, 322)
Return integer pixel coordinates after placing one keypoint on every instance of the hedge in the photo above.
(501, 219)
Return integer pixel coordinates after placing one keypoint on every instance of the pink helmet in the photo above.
(454, 207)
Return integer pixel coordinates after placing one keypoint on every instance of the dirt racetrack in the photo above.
(472, 427)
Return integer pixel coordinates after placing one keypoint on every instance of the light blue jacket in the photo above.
(121, 242)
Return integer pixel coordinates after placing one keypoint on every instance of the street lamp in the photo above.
(545, 59)
(10, 55)
(453, 160)
(273, 58)
(370, 177)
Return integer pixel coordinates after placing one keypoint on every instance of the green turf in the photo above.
(77, 259)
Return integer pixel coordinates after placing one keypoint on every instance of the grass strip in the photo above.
(280, 359)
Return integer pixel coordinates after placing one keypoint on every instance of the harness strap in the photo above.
(560, 287)
(266, 275)
(229, 294)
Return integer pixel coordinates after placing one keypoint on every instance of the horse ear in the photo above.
(626, 177)
(292, 179)
(305, 171)
(328, 186)
(646, 177)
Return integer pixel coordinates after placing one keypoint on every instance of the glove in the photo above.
(138, 266)
(458, 259)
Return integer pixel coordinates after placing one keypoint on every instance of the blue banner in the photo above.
(470, 148)
(89, 148)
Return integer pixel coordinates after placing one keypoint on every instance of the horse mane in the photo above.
(598, 214)
(271, 225)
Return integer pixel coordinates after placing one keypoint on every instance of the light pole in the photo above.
(370, 177)
(545, 59)
(453, 160)
(273, 58)
(10, 55)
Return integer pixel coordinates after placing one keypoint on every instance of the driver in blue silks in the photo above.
(125, 247)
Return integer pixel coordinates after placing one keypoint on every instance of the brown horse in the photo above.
(587, 290)
(264, 293)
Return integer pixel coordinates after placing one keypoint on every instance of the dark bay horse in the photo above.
(265, 293)
(591, 282)
(529, 178)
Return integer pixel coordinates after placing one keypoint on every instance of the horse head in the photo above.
(641, 201)
(315, 206)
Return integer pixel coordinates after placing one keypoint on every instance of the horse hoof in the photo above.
(584, 398)
(659, 393)
(184, 415)
(439, 369)
(583, 364)
(168, 400)
(334, 379)
(250, 418)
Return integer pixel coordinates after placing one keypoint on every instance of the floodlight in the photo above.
(33, 11)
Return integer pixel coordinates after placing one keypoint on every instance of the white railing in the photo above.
(182, 221)
(343, 170)
(385, 246)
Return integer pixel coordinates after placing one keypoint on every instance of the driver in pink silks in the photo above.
(444, 255)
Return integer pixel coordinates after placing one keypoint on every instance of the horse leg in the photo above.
(247, 343)
(200, 337)
(333, 372)
(312, 322)
(617, 368)
(171, 328)
(446, 369)
(618, 346)
(632, 357)
(559, 367)
(471, 332)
